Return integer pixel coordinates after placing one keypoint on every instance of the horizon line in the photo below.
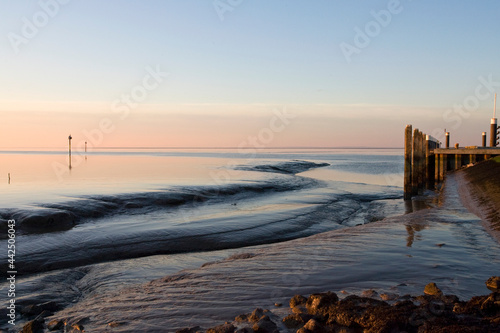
(240, 148)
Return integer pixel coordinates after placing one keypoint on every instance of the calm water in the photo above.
(90, 236)
(120, 204)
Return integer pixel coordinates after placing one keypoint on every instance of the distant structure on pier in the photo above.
(426, 163)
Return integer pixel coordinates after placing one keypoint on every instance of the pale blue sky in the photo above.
(429, 56)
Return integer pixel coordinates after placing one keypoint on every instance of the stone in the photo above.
(299, 309)
(493, 283)
(256, 315)
(265, 325)
(37, 309)
(295, 321)
(389, 297)
(225, 328)
(369, 293)
(245, 330)
(241, 318)
(55, 325)
(432, 289)
(34, 326)
(77, 327)
(319, 304)
(491, 306)
(313, 326)
(297, 300)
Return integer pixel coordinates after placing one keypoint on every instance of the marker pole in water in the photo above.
(69, 140)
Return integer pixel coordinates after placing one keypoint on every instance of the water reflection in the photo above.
(413, 231)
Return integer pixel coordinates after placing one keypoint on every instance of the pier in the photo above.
(426, 162)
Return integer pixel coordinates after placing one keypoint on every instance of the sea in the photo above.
(91, 227)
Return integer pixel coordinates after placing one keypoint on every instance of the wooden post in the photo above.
(421, 162)
(408, 162)
(414, 163)
(484, 139)
(437, 172)
(493, 132)
(447, 139)
(458, 161)
(428, 162)
(443, 166)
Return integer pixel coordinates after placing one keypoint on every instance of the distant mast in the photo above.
(494, 128)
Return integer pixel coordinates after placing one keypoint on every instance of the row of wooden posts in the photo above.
(419, 169)
(426, 163)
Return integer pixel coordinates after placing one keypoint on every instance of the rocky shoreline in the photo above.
(325, 312)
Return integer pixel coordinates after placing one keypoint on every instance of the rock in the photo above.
(319, 304)
(491, 306)
(295, 321)
(225, 328)
(190, 330)
(44, 314)
(256, 315)
(55, 325)
(313, 326)
(389, 297)
(297, 300)
(245, 330)
(278, 305)
(355, 312)
(432, 289)
(77, 327)
(493, 283)
(241, 318)
(34, 326)
(265, 325)
(369, 293)
(37, 309)
(299, 309)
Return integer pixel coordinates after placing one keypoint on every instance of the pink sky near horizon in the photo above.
(47, 125)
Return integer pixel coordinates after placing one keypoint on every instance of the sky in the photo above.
(243, 73)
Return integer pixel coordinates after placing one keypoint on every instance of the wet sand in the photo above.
(480, 191)
(445, 244)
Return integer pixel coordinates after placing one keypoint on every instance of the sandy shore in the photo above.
(393, 258)
(479, 187)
